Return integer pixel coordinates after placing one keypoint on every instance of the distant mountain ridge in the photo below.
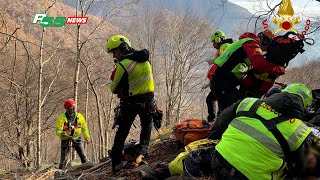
(225, 15)
(229, 17)
(20, 14)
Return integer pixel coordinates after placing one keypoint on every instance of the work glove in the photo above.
(87, 140)
(63, 134)
(279, 70)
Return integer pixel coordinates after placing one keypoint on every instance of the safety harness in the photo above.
(271, 125)
(72, 124)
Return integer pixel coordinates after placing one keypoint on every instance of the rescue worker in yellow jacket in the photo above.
(69, 127)
(263, 139)
(132, 81)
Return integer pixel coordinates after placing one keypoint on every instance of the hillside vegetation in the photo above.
(179, 46)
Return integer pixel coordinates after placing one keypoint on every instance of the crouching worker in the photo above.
(264, 139)
(69, 127)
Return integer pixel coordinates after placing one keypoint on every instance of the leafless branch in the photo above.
(5, 44)
(50, 6)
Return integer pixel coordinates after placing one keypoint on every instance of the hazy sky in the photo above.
(303, 8)
(306, 9)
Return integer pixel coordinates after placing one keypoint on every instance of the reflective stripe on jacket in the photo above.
(252, 149)
(139, 75)
(238, 67)
(214, 67)
(80, 126)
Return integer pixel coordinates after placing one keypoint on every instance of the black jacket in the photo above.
(139, 56)
(315, 120)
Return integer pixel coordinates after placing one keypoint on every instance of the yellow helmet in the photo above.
(115, 41)
(301, 90)
(218, 36)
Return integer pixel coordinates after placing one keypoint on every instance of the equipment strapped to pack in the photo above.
(126, 73)
(72, 124)
(271, 125)
(284, 48)
(117, 115)
(157, 118)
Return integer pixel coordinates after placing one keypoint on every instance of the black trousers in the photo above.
(198, 162)
(128, 112)
(223, 169)
(210, 100)
(225, 87)
(66, 148)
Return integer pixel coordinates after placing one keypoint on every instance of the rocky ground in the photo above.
(160, 151)
(164, 151)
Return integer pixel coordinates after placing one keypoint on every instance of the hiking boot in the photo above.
(119, 166)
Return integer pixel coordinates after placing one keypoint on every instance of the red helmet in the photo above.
(68, 103)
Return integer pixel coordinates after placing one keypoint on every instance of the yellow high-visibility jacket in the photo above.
(80, 126)
(252, 149)
(133, 77)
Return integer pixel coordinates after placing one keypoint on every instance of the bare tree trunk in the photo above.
(108, 122)
(46, 148)
(101, 128)
(98, 106)
(28, 117)
(86, 109)
(100, 143)
(39, 102)
(94, 153)
(87, 101)
(180, 89)
(77, 70)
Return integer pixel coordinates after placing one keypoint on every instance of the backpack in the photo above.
(284, 48)
(191, 130)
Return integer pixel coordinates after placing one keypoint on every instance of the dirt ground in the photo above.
(160, 151)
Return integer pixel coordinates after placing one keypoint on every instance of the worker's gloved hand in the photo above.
(87, 140)
(63, 134)
(279, 70)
